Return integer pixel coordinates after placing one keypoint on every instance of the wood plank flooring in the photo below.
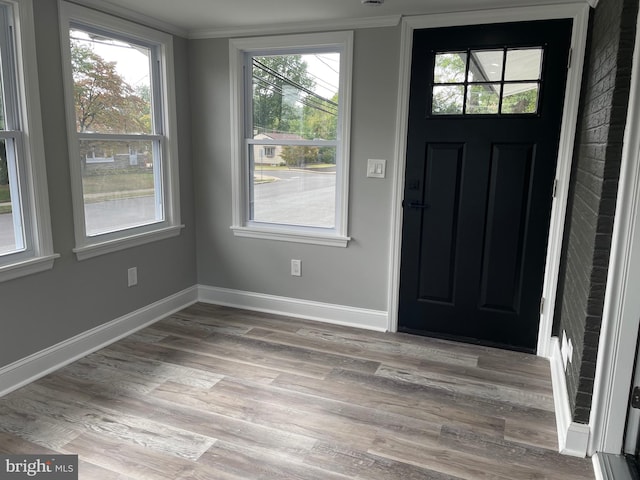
(222, 394)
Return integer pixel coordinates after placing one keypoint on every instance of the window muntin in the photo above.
(487, 82)
(291, 156)
(120, 108)
(25, 229)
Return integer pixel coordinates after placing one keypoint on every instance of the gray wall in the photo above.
(355, 276)
(41, 310)
(594, 185)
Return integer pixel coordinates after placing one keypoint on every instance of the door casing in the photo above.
(579, 12)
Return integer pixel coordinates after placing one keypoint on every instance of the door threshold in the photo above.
(615, 467)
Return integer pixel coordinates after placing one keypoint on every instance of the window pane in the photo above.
(121, 183)
(523, 64)
(483, 98)
(447, 100)
(520, 98)
(295, 97)
(11, 224)
(485, 66)
(112, 87)
(450, 67)
(301, 190)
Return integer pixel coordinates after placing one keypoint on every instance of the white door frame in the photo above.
(579, 12)
(621, 313)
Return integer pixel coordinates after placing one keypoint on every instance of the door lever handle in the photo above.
(416, 205)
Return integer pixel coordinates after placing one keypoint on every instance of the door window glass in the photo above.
(487, 82)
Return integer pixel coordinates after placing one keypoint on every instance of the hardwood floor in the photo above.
(222, 394)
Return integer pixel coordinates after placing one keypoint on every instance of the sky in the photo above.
(131, 63)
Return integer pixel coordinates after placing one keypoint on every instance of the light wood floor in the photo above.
(221, 394)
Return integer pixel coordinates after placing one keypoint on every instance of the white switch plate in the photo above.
(296, 268)
(376, 168)
(132, 276)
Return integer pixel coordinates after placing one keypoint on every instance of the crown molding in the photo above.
(301, 27)
(251, 30)
(131, 15)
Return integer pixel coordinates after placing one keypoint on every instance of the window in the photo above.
(25, 229)
(121, 120)
(291, 116)
(487, 82)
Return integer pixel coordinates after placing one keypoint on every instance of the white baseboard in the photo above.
(573, 437)
(39, 364)
(324, 312)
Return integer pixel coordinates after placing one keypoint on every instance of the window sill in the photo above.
(27, 267)
(109, 246)
(292, 236)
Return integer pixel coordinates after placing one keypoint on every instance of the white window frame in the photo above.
(24, 129)
(239, 49)
(91, 246)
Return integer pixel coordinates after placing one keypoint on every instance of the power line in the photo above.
(309, 102)
(287, 80)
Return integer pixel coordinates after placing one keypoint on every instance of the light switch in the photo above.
(376, 168)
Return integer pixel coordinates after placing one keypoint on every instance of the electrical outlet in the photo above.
(296, 268)
(132, 276)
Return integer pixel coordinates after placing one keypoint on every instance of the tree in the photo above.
(104, 102)
(278, 82)
(284, 101)
(449, 69)
(321, 118)
(299, 155)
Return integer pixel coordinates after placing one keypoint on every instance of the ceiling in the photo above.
(216, 18)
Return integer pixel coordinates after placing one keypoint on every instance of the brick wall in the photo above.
(593, 190)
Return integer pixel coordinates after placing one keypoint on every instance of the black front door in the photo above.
(485, 113)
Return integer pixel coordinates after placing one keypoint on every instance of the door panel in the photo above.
(484, 121)
(507, 207)
(443, 168)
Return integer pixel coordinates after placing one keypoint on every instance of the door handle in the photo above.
(416, 205)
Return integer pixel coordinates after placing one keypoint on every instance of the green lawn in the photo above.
(5, 197)
(117, 183)
(4, 194)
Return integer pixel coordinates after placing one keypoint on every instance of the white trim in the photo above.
(302, 27)
(130, 241)
(33, 162)
(572, 437)
(27, 267)
(621, 313)
(579, 12)
(611, 467)
(39, 364)
(342, 41)
(162, 43)
(123, 12)
(563, 175)
(288, 235)
(292, 307)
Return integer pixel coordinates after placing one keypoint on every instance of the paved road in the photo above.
(113, 215)
(7, 240)
(297, 197)
(101, 217)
